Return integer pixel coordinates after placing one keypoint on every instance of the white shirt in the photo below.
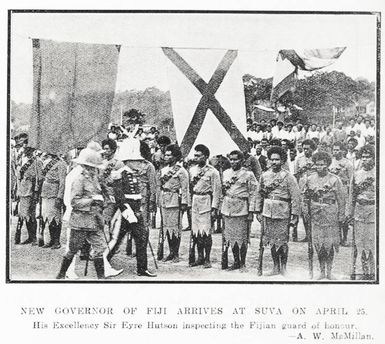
(280, 134)
(361, 141)
(268, 135)
(299, 135)
(322, 133)
(70, 178)
(350, 128)
(291, 165)
(250, 134)
(312, 134)
(274, 131)
(291, 136)
(264, 152)
(258, 136)
(359, 127)
(368, 132)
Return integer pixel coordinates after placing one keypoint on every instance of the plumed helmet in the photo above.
(129, 149)
(90, 157)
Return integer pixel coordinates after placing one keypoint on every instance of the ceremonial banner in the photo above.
(73, 90)
(207, 98)
(289, 61)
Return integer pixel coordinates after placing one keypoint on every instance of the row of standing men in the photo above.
(121, 198)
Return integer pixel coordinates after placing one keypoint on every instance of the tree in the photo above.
(316, 94)
(153, 102)
(133, 116)
(256, 89)
(322, 91)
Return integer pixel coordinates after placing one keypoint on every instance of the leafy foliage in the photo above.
(133, 116)
(256, 89)
(20, 114)
(322, 91)
(315, 94)
(154, 103)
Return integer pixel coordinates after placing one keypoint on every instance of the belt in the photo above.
(366, 201)
(324, 200)
(169, 190)
(133, 196)
(278, 198)
(52, 181)
(238, 197)
(202, 193)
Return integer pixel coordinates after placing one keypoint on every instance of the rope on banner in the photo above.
(350, 46)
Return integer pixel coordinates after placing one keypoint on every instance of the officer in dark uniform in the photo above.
(135, 189)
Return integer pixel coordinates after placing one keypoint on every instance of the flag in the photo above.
(284, 77)
(207, 98)
(73, 91)
(289, 61)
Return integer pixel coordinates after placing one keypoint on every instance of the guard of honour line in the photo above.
(110, 193)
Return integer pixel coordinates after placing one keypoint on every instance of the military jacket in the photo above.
(240, 192)
(28, 180)
(362, 196)
(145, 172)
(278, 195)
(54, 181)
(174, 184)
(84, 214)
(206, 193)
(326, 194)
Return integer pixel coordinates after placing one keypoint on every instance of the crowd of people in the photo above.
(353, 137)
(111, 191)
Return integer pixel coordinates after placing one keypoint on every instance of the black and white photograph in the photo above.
(192, 172)
(193, 147)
